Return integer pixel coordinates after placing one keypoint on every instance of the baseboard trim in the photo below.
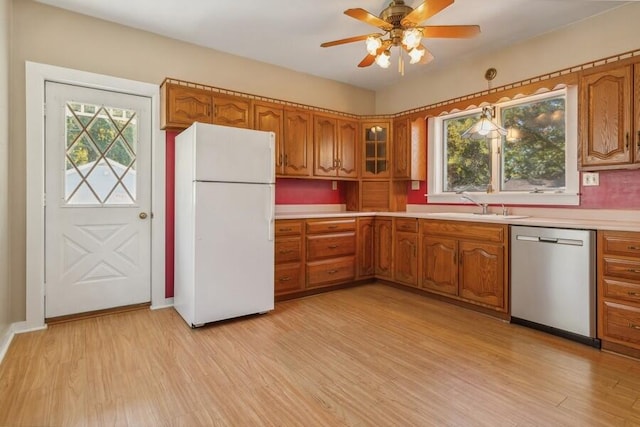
(5, 342)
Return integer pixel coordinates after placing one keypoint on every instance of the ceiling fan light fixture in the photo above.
(384, 59)
(416, 54)
(411, 38)
(373, 43)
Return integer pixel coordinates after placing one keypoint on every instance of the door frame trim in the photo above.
(35, 77)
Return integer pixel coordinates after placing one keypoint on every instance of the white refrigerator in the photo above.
(224, 222)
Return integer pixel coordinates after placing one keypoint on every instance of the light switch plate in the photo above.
(334, 185)
(590, 179)
(415, 185)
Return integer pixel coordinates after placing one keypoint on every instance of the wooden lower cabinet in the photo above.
(439, 265)
(466, 261)
(619, 291)
(383, 236)
(289, 256)
(405, 247)
(366, 248)
(330, 249)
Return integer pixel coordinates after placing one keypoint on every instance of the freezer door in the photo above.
(234, 250)
(229, 154)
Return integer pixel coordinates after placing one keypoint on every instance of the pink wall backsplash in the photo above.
(308, 192)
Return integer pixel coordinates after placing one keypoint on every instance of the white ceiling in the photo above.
(288, 33)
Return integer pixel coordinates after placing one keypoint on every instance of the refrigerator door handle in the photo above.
(271, 211)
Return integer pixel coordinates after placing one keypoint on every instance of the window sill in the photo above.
(530, 199)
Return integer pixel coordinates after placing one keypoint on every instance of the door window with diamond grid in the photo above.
(100, 156)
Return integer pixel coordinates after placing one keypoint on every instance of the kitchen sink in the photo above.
(473, 215)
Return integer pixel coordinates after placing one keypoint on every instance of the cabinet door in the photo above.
(183, 106)
(271, 118)
(401, 149)
(375, 150)
(325, 161)
(365, 249)
(440, 265)
(231, 111)
(298, 134)
(383, 245)
(481, 273)
(605, 118)
(406, 258)
(347, 149)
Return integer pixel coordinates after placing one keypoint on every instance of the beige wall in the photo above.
(5, 291)
(601, 36)
(53, 36)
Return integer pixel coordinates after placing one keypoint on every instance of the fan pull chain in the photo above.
(401, 65)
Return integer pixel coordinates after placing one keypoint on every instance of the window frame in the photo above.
(570, 196)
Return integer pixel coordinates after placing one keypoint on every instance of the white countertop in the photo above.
(590, 224)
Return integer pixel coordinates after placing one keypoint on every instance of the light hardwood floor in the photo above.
(366, 356)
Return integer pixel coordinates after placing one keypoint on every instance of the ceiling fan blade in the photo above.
(450, 31)
(425, 11)
(368, 60)
(344, 41)
(368, 18)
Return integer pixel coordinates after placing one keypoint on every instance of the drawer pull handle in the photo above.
(332, 246)
(286, 251)
(332, 227)
(633, 294)
(633, 326)
(332, 271)
(285, 229)
(633, 270)
(633, 248)
(285, 279)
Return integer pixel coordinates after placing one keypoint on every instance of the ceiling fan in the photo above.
(400, 24)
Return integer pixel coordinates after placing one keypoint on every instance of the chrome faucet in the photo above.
(484, 206)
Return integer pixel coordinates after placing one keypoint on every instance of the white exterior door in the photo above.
(98, 199)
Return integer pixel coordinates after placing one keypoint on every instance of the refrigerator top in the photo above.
(227, 154)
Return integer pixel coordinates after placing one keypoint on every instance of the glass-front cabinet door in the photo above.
(376, 150)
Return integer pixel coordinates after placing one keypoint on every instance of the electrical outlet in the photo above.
(334, 185)
(590, 179)
(415, 185)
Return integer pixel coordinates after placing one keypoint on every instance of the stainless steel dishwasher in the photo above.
(553, 284)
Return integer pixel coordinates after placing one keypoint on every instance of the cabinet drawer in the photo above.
(330, 245)
(465, 230)
(288, 228)
(621, 290)
(621, 322)
(331, 225)
(288, 249)
(615, 267)
(288, 278)
(409, 224)
(330, 271)
(627, 244)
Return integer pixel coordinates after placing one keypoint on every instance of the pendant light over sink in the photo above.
(486, 127)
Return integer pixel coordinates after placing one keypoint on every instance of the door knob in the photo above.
(143, 215)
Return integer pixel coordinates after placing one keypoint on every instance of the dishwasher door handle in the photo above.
(555, 240)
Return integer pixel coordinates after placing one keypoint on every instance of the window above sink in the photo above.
(534, 164)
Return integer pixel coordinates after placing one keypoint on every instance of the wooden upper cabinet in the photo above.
(401, 149)
(375, 150)
(347, 148)
(334, 147)
(270, 118)
(231, 111)
(324, 146)
(409, 149)
(297, 142)
(181, 106)
(605, 119)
